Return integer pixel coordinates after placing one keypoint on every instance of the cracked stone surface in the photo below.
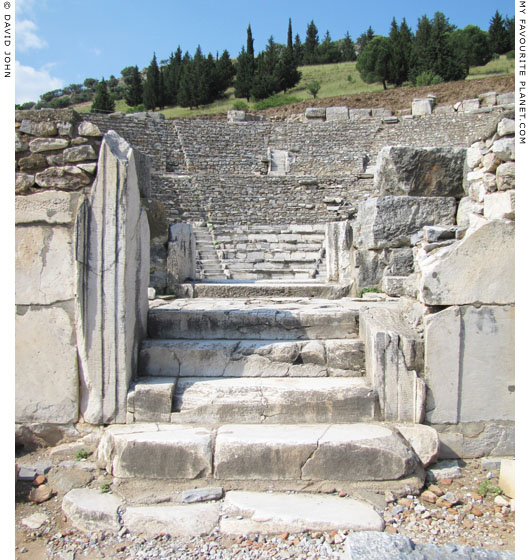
(251, 512)
(270, 319)
(312, 452)
(273, 400)
(251, 358)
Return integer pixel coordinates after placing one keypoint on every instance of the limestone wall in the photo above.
(59, 167)
(468, 289)
(56, 157)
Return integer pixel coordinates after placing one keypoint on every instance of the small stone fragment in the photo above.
(88, 129)
(40, 494)
(35, 521)
(202, 495)
(429, 497)
(39, 480)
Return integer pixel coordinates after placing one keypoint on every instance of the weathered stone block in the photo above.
(488, 99)
(506, 127)
(507, 477)
(421, 107)
(490, 162)
(47, 144)
(181, 257)
(474, 155)
(470, 105)
(505, 175)
(504, 149)
(43, 128)
(151, 399)
(390, 221)
(337, 114)
(461, 273)
(315, 113)
(90, 510)
(505, 98)
(44, 265)
(46, 382)
(156, 451)
(420, 171)
(469, 364)
(69, 178)
(466, 207)
(23, 182)
(381, 112)
(360, 113)
(79, 153)
(175, 520)
(500, 205)
(51, 207)
(33, 162)
(88, 129)
(423, 439)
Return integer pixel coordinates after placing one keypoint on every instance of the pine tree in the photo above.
(311, 44)
(509, 24)
(187, 85)
(265, 81)
(173, 76)
(102, 100)
(498, 34)
(152, 86)
(375, 61)
(134, 92)
(225, 72)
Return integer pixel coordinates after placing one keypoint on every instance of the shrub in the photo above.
(240, 105)
(313, 88)
(275, 101)
(138, 109)
(82, 454)
(428, 78)
(510, 55)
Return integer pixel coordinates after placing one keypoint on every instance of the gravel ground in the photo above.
(460, 515)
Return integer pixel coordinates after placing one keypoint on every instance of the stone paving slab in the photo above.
(90, 510)
(269, 513)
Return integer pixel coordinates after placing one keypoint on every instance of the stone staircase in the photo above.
(292, 252)
(264, 391)
(208, 264)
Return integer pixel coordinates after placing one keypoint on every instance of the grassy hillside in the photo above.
(336, 80)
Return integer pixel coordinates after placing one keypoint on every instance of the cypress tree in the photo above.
(152, 86)
(250, 42)
(328, 51)
(265, 81)
(499, 36)
(348, 49)
(298, 50)
(187, 85)
(287, 74)
(102, 100)
(290, 36)
(311, 44)
(135, 91)
(401, 44)
(225, 72)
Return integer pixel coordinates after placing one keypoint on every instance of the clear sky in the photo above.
(59, 42)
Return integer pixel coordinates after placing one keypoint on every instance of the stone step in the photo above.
(259, 319)
(252, 358)
(249, 452)
(273, 400)
(240, 513)
(257, 288)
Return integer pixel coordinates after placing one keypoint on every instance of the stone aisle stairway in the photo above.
(208, 264)
(270, 392)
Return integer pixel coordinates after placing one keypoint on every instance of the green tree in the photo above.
(287, 74)
(472, 44)
(313, 88)
(102, 100)
(152, 86)
(401, 47)
(134, 93)
(498, 34)
(311, 44)
(265, 81)
(225, 72)
(347, 48)
(375, 61)
(364, 39)
(328, 51)
(298, 49)
(509, 24)
(245, 69)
